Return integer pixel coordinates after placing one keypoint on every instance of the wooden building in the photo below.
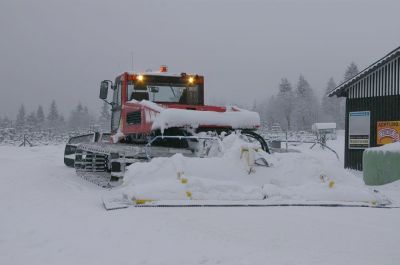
(372, 107)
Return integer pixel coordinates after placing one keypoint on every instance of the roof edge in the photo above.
(338, 89)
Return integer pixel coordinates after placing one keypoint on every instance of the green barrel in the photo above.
(380, 166)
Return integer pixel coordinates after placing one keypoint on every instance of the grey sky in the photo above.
(62, 49)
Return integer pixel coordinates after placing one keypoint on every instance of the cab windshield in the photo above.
(165, 93)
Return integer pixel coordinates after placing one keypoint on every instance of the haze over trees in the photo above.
(20, 121)
(80, 118)
(298, 108)
(331, 106)
(104, 120)
(351, 71)
(294, 107)
(285, 99)
(54, 121)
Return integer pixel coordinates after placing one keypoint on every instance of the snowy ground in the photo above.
(50, 216)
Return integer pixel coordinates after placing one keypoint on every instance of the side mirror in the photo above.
(103, 90)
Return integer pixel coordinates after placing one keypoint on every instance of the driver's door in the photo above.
(116, 108)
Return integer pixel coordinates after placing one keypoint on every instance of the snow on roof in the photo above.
(393, 147)
(347, 83)
(158, 73)
(162, 74)
(324, 125)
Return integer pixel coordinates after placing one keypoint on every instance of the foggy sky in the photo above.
(62, 49)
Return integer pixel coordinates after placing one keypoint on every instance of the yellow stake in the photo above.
(331, 184)
(142, 201)
(184, 180)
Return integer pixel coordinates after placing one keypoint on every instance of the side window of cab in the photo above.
(116, 110)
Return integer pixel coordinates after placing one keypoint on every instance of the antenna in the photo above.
(132, 60)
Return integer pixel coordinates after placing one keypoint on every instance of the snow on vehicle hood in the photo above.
(241, 119)
(233, 117)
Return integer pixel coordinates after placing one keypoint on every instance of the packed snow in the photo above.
(51, 216)
(304, 177)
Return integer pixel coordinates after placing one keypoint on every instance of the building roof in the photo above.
(343, 87)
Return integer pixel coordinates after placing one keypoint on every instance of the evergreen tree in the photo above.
(20, 121)
(79, 108)
(31, 120)
(272, 112)
(331, 105)
(262, 109)
(6, 122)
(306, 107)
(53, 117)
(285, 100)
(87, 119)
(80, 118)
(351, 71)
(61, 122)
(105, 117)
(75, 116)
(40, 116)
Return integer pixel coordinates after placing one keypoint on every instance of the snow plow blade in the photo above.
(115, 203)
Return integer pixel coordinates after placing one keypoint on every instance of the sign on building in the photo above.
(359, 129)
(387, 132)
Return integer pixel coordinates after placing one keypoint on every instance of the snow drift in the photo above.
(308, 176)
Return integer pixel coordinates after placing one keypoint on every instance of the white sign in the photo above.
(359, 129)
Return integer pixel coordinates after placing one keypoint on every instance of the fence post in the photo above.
(25, 141)
(286, 142)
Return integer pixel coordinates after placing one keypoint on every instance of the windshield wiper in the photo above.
(173, 91)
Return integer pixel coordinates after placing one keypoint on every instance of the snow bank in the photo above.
(308, 176)
(209, 178)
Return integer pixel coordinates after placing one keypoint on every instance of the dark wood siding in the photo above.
(386, 108)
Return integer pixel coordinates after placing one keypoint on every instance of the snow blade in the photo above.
(114, 203)
(262, 205)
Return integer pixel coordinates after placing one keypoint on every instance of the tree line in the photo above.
(292, 107)
(80, 118)
(297, 107)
